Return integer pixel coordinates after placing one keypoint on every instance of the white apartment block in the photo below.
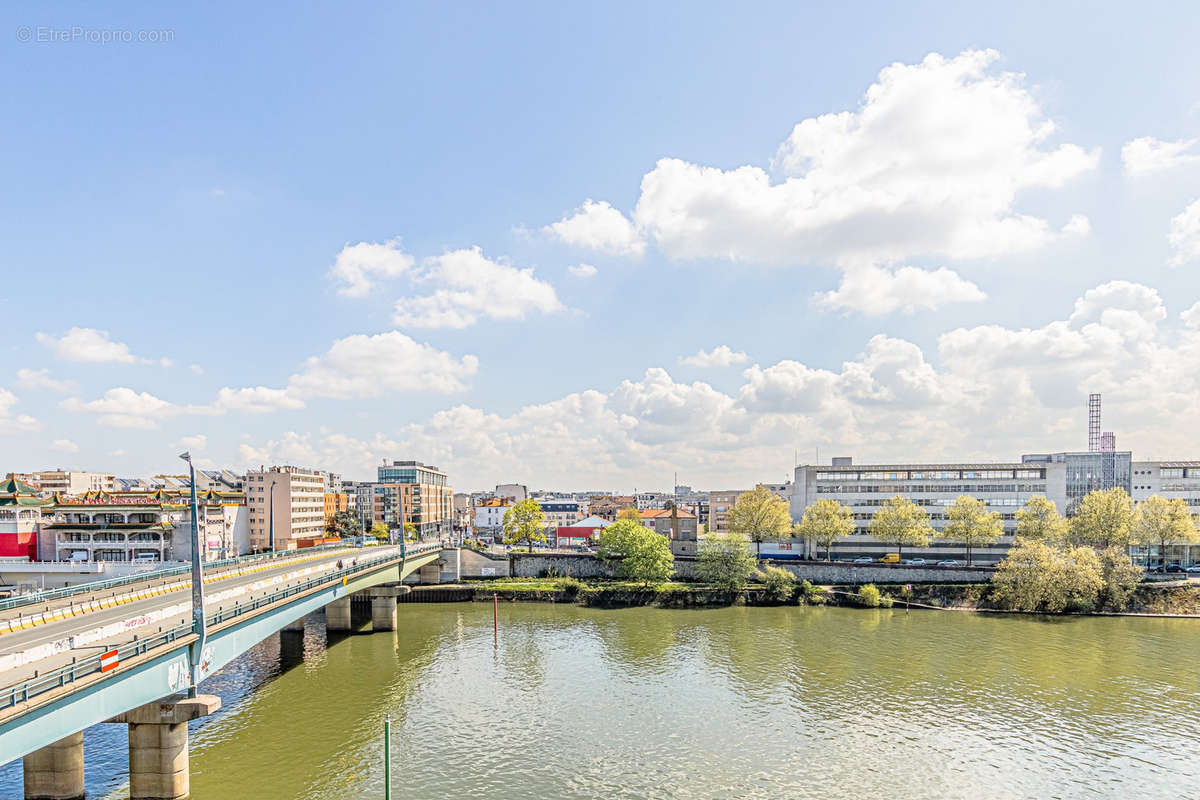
(284, 503)
(68, 482)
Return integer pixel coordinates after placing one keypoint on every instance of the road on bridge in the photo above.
(55, 644)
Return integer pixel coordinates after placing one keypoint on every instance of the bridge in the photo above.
(129, 653)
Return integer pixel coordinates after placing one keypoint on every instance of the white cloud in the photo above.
(1185, 235)
(720, 356)
(371, 366)
(877, 290)
(117, 453)
(582, 271)
(196, 369)
(197, 442)
(166, 362)
(599, 226)
(10, 422)
(930, 164)
(91, 345)
(64, 446)
(471, 286)
(122, 407)
(256, 400)
(1147, 155)
(40, 379)
(987, 392)
(358, 265)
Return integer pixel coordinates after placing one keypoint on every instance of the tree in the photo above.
(972, 524)
(410, 531)
(380, 531)
(725, 561)
(1161, 521)
(525, 522)
(1039, 577)
(826, 521)
(629, 513)
(1040, 521)
(1120, 576)
(902, 521)
(779, 585)
(344, 524)
(759, 515)
(1104, 519)
(640, 554)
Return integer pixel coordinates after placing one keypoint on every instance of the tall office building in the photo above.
(409, 491)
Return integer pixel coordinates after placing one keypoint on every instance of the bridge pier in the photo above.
(430, 573)
(55, 772)
(337, 615)
(383, 605)
(296, 626)
(158, 745)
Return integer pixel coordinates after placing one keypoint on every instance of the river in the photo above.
(736, 702)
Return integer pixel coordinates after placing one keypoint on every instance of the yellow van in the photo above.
(890, 558)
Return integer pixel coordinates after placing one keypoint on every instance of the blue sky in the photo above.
(188, 200)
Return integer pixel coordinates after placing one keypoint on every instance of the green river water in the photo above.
(736, 702)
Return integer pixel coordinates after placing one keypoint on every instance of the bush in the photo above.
(1040, 577)
(813, 595)
(725, 561)
(570, 587)
(885, 601)
(779, 585)
(868, 596)
(1121, 578)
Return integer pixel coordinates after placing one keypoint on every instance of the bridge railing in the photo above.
(23, 691)
(139, 577)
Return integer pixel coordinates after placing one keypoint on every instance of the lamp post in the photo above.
(198, 622)
(271, 518)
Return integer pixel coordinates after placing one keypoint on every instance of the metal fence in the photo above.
(23, 691)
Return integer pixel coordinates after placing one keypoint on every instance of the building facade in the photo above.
(416, 493)
(563, 513)
(20, 516)
(68, 482)
(719, 503)
(679, 527)
(285, 504)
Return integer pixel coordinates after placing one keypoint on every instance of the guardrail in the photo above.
(21, 692)
(99, 586)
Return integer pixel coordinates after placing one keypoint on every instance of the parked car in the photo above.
(862, 560)
(947, 562)
(918, 562)
(1193, 569)
(1175, 566)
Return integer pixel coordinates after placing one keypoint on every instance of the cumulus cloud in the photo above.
(875, 291)
(358, 265)
(371, 366)
(471, 286)
(599, 226)
(720, 356)
(582, 271)
(1185, 235)
(197, 442)
(64, 446)
(90, 345)
(41, 379)
(11, 422)
(255, 400)
(984, 392)
(1147, 155)
(122, 407)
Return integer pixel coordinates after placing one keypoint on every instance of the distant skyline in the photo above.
(581, 247)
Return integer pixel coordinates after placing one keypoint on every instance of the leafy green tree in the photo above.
(1039, 577)
(410, 531)
(1161, 521)
(868, 596)
(779, 585)
(525, 522)
(902, 521)
(1121, 578)
(759, 515)
(344, 524)
(724, 560)
(826, 521)
(640, 554)
(972, 524)
(1104, 519)
(1039, 520)
(380, 531)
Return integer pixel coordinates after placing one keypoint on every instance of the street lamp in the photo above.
(198, 622)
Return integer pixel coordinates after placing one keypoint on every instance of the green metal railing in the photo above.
(23, 691)
(140, 577)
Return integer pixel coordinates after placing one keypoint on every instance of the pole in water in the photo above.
(495, 614)
(387, 757)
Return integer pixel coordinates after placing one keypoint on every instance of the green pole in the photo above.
(387, 757)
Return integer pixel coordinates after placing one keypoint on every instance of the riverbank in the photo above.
(1150, 599)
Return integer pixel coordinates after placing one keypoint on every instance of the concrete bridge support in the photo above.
(383, 606)
(430, 573)
(56, 771)
(158, 745)
(294, 627)
(337, 615)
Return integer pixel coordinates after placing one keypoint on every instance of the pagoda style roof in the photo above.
(14, 492)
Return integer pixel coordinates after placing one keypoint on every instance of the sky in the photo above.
(593, 246)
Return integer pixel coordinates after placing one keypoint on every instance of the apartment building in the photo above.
(680, 527)
(410, 491)
(335, 503)
(69, 482)
(489, 516)
(1170, 479)
(563, 513)
(285, 504)
(719, 503)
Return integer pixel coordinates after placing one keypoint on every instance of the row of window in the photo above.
(919, 475)
(920, 489)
